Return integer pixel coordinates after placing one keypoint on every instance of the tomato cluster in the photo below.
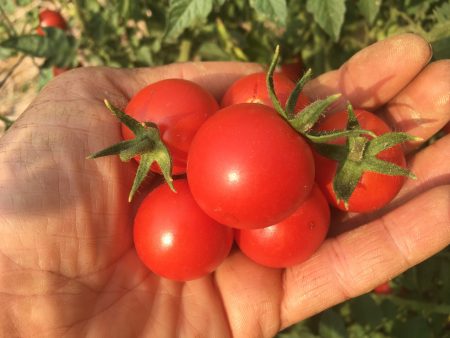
(254, 170)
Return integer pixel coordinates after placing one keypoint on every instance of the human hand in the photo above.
(68, 266)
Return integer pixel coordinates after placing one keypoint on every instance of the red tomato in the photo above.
(253, 88)
(383, 289)
(49, 18)
(175, 239)
(247, 168)
(374, 190)
(291, 241)
(178, 107)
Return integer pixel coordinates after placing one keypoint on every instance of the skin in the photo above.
(67, 264)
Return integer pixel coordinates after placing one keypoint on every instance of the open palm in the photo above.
(67, 261)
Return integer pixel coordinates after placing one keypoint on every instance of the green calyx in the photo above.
(147, 144)
(358, 155)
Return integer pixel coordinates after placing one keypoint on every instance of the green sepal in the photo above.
(347, 176)
(304, 120)
(295, 94)
(389, 140)
(135, 126)
(387, 168)
(327, 136)
(147, 144)
(115, 149)
(335, 152)
(270, 85)
(308, 117)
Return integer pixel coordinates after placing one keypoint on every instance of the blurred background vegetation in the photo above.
(317, 34)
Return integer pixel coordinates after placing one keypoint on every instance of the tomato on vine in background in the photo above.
(50, 18)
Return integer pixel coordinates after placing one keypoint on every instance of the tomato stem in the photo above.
(147, 144)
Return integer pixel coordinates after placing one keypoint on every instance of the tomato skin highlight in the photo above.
(247, 168)
(178, 107)
(374, 190)
(50, 18)
(291, 241)
(253, 89)
(175, 239)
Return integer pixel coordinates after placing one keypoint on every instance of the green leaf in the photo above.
(442, 13)
(329, 14)
(445, 279)
(332, 325)
(365, 311)
(56, 46)
(34, 45)
(369, 9)
(212, 51)
(273, 10)
(441, 48)
(219, 3)
(416, 327)
(389, 309)
(183, 14)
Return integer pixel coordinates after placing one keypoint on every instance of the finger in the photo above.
(374, 75)
(216, 77)
(252, 292)
(423, 107)
(357, 261)
(119, 85)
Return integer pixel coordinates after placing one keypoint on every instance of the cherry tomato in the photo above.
(383, 289)
(178, 107)
(49, 18)
(247, 168)
(175, 239)
(253, 88)
(374, 190)
(291, 241)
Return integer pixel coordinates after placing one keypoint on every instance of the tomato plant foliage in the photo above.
(145, 33)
